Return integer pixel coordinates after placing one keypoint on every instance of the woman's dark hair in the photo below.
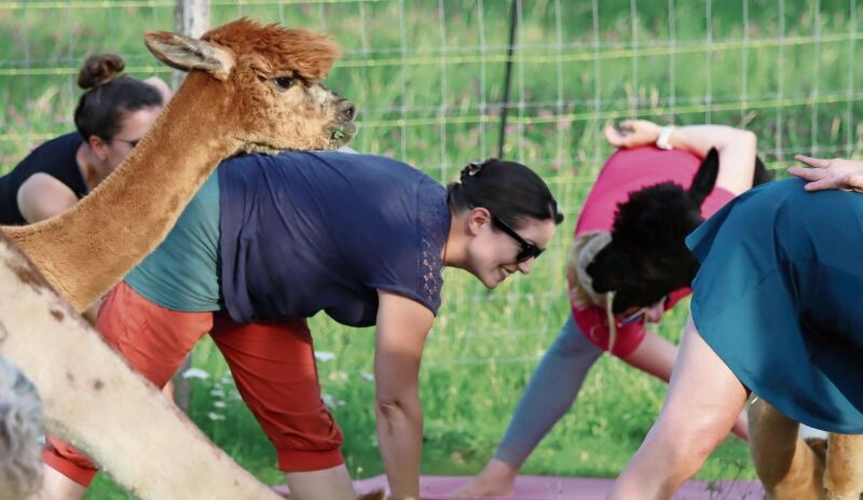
(109, 95)
(508, 190)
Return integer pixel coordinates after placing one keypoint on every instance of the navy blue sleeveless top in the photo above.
(55, 158)
(309, 232)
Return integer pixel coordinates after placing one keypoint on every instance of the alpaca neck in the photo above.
(89, 248)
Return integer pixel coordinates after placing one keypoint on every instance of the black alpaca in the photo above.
(647, 257)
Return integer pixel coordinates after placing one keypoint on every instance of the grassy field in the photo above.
(428, 79)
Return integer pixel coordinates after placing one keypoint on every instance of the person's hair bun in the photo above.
(100, 69)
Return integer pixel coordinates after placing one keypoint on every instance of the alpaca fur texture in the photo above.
(791, 468)
(249, 87)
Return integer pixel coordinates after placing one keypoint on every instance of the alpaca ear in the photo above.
(705, 178)
(761, 174)
(186, 53)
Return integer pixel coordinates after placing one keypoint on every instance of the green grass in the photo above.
(429, 94)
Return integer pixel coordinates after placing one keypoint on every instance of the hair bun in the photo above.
(474, 168)
(100, 69)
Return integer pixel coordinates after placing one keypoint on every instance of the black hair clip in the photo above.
(472, 169)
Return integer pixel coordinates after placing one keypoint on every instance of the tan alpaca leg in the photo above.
(96, 402)
(786, 466)
(843, 477)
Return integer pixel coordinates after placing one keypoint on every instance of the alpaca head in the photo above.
(267, 82)
(647, 257)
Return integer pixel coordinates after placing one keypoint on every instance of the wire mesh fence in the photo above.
(429, 79)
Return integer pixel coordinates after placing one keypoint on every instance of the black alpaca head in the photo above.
(647, 257)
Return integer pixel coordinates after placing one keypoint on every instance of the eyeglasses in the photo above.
(528, 250)
(639, 314)
(131, 144)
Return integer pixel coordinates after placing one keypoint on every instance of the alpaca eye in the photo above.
(284, 82)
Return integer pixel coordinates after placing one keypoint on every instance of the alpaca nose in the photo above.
(347, 109)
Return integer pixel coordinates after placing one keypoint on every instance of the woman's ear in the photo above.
(99, 147)
(477, 218)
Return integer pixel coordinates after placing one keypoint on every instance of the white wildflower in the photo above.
(196, 373)
(324, 356)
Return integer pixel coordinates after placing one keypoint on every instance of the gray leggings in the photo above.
(551, 392)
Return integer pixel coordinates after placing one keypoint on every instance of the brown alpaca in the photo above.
(250, 87)
(793, 469)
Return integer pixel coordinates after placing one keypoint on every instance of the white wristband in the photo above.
(664, 135)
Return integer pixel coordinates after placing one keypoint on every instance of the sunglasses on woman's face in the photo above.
(638, 315)
(528, 250)
(131, 144)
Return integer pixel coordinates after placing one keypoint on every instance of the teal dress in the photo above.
(779, 297)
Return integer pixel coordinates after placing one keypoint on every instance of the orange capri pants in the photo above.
(273, 365)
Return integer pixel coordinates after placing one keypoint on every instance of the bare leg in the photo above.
(656, 356)
(328, 484)
(704, 400)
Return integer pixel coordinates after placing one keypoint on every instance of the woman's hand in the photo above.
(632, 134)
(835, 173)
(736, 147)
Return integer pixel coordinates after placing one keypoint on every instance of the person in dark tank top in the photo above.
(112, 115)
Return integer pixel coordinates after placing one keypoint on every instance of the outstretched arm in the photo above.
(829, 174)
(402, 327)
(736, 147)
(704, 399)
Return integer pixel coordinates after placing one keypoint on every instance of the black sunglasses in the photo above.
(132, 144)
(528, 250)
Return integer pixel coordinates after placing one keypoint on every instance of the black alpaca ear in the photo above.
(761, 174)
(705, 178)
